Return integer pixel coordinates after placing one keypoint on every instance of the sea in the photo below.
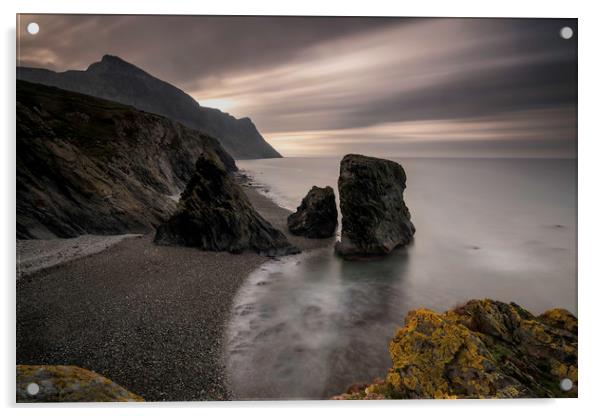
(308, 326)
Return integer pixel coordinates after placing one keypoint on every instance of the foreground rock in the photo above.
(375, 217)
(215, 214)
(316, 217)
(67, 383)
(483, 349)
(91, 166)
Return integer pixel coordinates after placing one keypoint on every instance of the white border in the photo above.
(590, 209)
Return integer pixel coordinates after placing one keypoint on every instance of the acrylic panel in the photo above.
(290, 207)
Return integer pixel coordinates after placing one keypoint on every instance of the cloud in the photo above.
(526, 134)
(426, 70)
(311, 77)
(183, 50)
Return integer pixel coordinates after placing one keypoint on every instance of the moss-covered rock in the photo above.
(67, 383)
(483, 349)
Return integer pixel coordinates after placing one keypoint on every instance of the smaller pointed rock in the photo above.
(214, 214)
(316, 217)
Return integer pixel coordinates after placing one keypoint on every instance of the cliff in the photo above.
(91, 166)
(483, 349)
(117, 80)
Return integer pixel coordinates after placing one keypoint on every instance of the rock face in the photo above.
(316, 217)
(375, 218)
(215, 214)
(117, 80)
(90, 166)
(67, 383)
(483, 349)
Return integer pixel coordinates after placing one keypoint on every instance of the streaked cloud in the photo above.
(331, 85)
(527, 134)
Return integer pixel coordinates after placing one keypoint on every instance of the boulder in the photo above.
(214, 214)
(375, 218)
(483, 349)
(67, 383)
(316, 217)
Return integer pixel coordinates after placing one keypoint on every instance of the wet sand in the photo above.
(150, 318)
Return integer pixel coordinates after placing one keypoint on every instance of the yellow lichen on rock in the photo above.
(67, 383)
(422, 350)
(483, 349)
(560, 318)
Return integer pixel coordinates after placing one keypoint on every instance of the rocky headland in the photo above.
(483, 349)
(91, 166)
(114, 79)
(316, 217)
(375, 218)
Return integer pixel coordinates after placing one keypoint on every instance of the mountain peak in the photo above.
(113, 58)
(113, 63)
(115, 79)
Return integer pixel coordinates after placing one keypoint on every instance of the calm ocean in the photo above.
(308, 326)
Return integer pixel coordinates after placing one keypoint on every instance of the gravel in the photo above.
(36, 255)
(151, 318)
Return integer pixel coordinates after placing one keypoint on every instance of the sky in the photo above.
(323, 86)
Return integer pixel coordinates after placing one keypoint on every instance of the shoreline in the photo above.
(246, 179)
(37, 255)
(151, 318)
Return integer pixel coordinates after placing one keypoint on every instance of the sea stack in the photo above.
(375, 218)
(316, 217)
(214, 214)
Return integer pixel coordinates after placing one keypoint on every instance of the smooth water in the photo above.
(310, 325)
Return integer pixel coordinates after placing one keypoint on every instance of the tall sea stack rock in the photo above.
(316, 217)
(214, 214)
(375, 217)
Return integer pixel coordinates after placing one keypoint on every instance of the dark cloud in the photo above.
(185, 50)
(304, 80)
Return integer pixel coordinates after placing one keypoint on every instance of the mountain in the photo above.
(117, 80)
(91, 166)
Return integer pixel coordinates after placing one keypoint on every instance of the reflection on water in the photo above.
(299, 324)
(310, 325)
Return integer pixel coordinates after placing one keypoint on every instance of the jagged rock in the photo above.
(483, 349)
(375, 218)
(67, 383)
(91, 166)
(316, 217)
(215, 214)
(114, 79)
